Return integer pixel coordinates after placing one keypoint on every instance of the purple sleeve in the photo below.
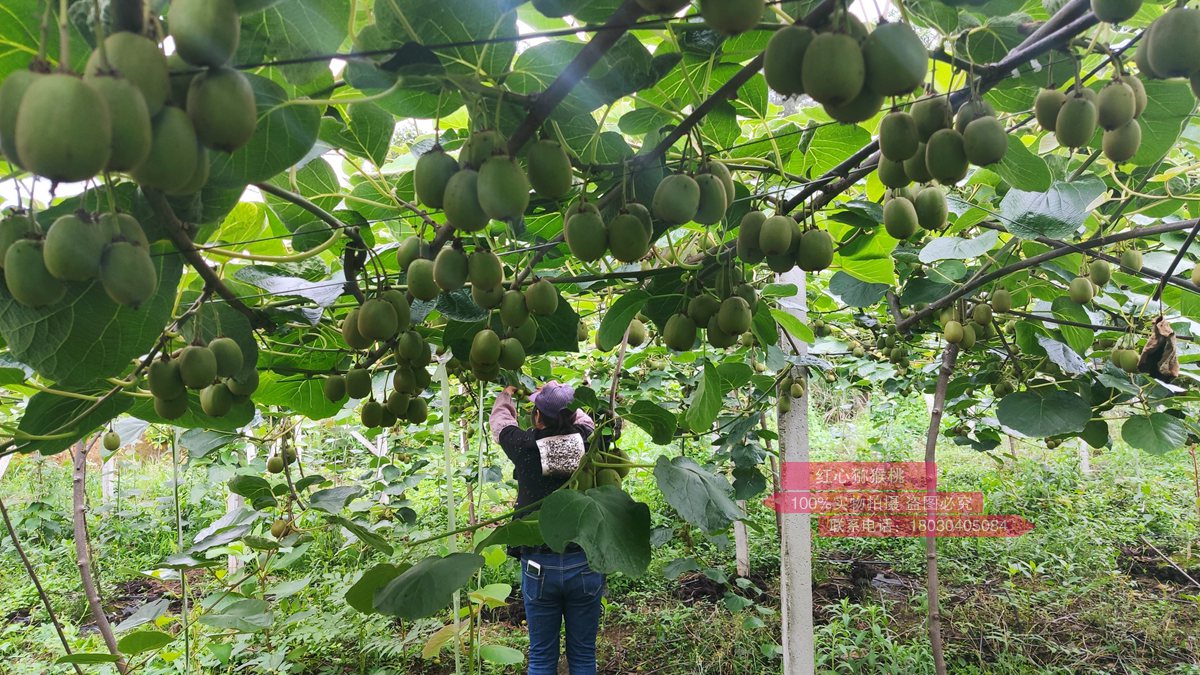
(582, 420)
(504, 415)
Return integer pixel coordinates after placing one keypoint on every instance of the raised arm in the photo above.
(504, 413)
(583, 420)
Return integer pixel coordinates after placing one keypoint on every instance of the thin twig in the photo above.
(1170, 562)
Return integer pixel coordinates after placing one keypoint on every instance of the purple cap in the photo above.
(552, 398)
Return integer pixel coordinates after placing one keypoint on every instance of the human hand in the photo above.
(510, 390)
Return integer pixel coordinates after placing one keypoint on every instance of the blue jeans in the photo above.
(564, 588)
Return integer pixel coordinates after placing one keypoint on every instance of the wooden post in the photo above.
(108, 480)
(795, 559)
(949, 357)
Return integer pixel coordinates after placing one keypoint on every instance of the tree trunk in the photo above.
(795, 559)
(83, 557)
(949, 356)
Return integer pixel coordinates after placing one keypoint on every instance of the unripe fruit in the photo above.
(526, 333)
(1139, 93)
(710, 208)
(676, 199)
(130, 118)
(377, 320)
(197, 366)
(128, 274)
(985, 141)
(946, 157)
(815, 252)
(784, 58)
(931, 208)
(915, 167)
(541, 298)
(1081, 290)
(198, 177)
(215, 400)
(1046, 107)
(734, 317)
(484, 269)
(433, 171)
(28, 280)
(973, 109)
(358, 383)
(487, 297)
(371, 415)
(420, 280)
(513, 312)
(731, 17)
(350, 334)
(643, 215)
(205, 31)
(221, 104)
(679, 333)
(112, 441)
(719, 338)
(1120, 145)
(702, 308)
(627, 238)
(229, 356)
(1115, 105)
(64, 129)
(512, 354)
(73, 248)
(749, 231)
(479, 147)
(858, 109)
(898, 138)
(171, 408)
(450, 269)
(163, 380)
(280, 528)
(931, 114)
(1174, 50)
(982, 314)
(244, 385)
(1131, 259)
(461, 202)
(895, 59)
(409, 250)
(503, 188)
(968, 337)
(585, 234)
(12, 90)
(833, 71)
(893, 175)
(411, 346)
(1126, 359)
(137, 59)
(1001, 300)
(1115, 11)
(1076, 122)
(1100, 272)
(418, 411)
(900, 218)
(173, 152)
(776, 235)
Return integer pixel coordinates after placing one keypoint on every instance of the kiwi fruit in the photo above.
(205, 31)
(461, 202)
(310, 235)
(1120, 145)
(731, 17)
(982, 314)
(180, 74)
(900, 218)
(703, 307)
(228, 355)
(432, 173)
(953, 332)
(749, 231)
(776, 235)
(970, 111)
(585, 234)
(627, 238)
(487, 297)
(1115, 11)
(815, 252)
(450, 269)
(162, 378)
(64, 129)
(719, 338)
(512, 354)
(1126, 359)
(411, 346)
(484, 269)
(549, 169)
(216, 400)
(399, 303)
(526, 333)
(969, 336)
(663, 6)
(130, 119)
(403, 379)
(1141, 57)
(513, 312)
(1174, 49)
(1076, 122)
(946, 156)
(1139, 93)
(127, 274)
(112, 441)
(171, 408)
(932, 114)
(541, 298)
(833, 71)
(123, 226)
(1100, 272)
(895, 59)
(503, 188)
(28, 280)
(1001, 300)
(735, 316)
(643, 215)
(676, 199)
(713, 201)
(784, 58)
(861, 108)
(892, 174)
(199, 176)
(1046, 107)
(1131, 259)
(637, 333)
(73, 247)
(350, 334)
(679, 333)
(479, 147)
(397, 403)
(898, 137)
(915, 167)
(377, 320)
(932, 211)
(485, 347)
(173, 152)
(12, 90)
(1081, 290)
(409, 250)
(221, 104)
(197, 366)
(358, 383)
(1115, 105)
(985, 141)
(421, 282)
(137, 59)
(371, 415)
(244, 385)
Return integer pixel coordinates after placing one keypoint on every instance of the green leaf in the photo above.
(656, 420)
(200, 442)
(1043, 412)
(1168, 105)
(364, 535)
(284, 135)
(299, 393)
(612, 528)
(333, 500)
(368, 133)
(244, 615)
(144, 641)
(521, 532)
(700, 497)
(361, 596)
(501, 656)
(854, 292)
(618, 317)
(294, 29)
(254, 488)
(794, 326)
(869, 269)
(1156, 433)
(316, 180)
(705, 403)
(1080, 339)
(426, 588)
(461, 22)
(88, 658)
(1022, 169)
(20, 34)
(557, 332)
(956, 248)
(1095, 433)
(47, 414)
(830, 145)
(1056, 213)
(86, 336)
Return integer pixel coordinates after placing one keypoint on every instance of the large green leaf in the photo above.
(1056, 213)
(1156, 433)
(618, 317)
(284, 135)
(87, 336)
(144, 641)
(316, 180)
(461, 22)
(294, 29)
(656, 420)
(200, 442)
(854, 292)
(367, 132)
(51, 415)
(243, 615)
(1043, 412)
(521, 532)
(957, 248)
(702, 498)
(612, 528)
(20, 33)
(1168, 105)
(705, 404)
(361, 596)
(1022, 169)
(426, 588)
(301, 394)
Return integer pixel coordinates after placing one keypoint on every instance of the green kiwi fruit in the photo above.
(898, 137)
(896, 60)
(503, 188)
(526, 333)
(719, 338)
(833, 71)
(985, 141)
(411, 346)
(946, 156)
(970, 111)
(900, 218)
(310, 235)
(643, 215)
(1081, 290)
(221, 104)
(815, 252)
(485, 347)
(549, 169)
(732, 17)
(637, 333)
(1046, 107)
(229, 356)
(676, 199)
(915, 167)
(487, 297)
(128, 274)
(1174, 49)
(112, 441)
(627, 238)
(1001, 300)
(450, 269)
(484, 269)
(403, 310)
(734, 317)
(713, 201)
(703, 307)
(512, 354)
(173, 152)
(171, 408)
(433, 171)
(397, 403)
(73, 247)
(1131, 259)
(358, 383)
(680, 332)
(418, 410)
(982, 314)
(1115, 105)
(180, 74)
(932, 114)
(586, 234)
(541, 298)
(461, 202)
(199, 176)
(892, 174)
(205, 31)
(216, 400)
(931, 208)
(1100, 272)
(513, 312)
(197, 366)
(749, 231)
(350, 334)
(421, 282)
(1115, 11)
(28, 280)
(1120, 145)
(12, 90)
(1139, 93)
(130, 121)
(371, 415)
(953, 332)
(784, 57)
(776, 235)
(137, 59)
(479, 147)
(162, 378)
(64, 129)
(377, 320)
(243, 385)
(409, 250)
(861, 108)
(1076, 122)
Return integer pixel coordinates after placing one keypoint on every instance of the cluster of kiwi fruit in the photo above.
(909, 209)
(485, 183)
(411, 377)
(492, 352)
(1074, 116)
(381, 318)
(930, 142)
(1169, 48)
(702, 197)
(78, 247)
(724, 312)
(964, 326)
(889, 345)
(782, 244)
(126, 114)
(845, 68)
(217, 370)
(280, 460)
(590, 476)
(1125, 358)
(626, 236)
(790, 388)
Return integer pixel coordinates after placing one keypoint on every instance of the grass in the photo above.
(1081, 593)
